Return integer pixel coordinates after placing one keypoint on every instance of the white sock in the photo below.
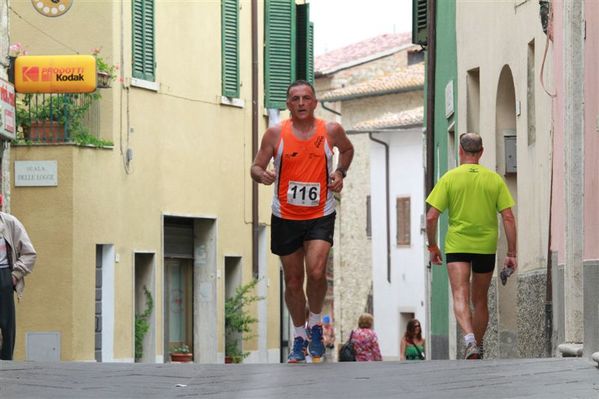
(314, 319)
(469, 339)
(300, 332)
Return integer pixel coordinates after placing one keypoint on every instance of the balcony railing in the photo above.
(57, 118)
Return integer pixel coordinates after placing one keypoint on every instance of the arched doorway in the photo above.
(505, 145)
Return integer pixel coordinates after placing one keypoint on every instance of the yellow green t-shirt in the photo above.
(473, 196)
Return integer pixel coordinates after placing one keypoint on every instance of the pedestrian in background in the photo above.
(412, 344)
(365, 340)
(473, 195)
(303, 208)
(17, 257)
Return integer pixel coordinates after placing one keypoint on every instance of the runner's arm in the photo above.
(509, 225)
(343, 144)
(432, 218)
(258, 170)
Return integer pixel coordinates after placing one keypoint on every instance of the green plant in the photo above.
(238, 321)
(142, 324)
(181, 348)
(104, 67)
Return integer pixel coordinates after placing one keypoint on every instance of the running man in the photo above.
(303, 208)
(473, 196)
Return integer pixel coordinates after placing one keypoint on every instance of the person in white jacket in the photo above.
(17, 258)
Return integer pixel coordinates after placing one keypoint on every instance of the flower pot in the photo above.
(104, 81)
(181, 357)
(228, 359)
(45, 132)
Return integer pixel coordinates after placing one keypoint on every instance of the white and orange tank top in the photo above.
(303, 168)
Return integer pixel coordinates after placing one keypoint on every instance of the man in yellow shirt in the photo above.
(473, 195)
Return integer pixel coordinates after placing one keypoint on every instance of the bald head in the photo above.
(471, 142)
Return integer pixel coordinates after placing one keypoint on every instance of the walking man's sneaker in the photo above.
(472, 352)
(316, 346)
(298, 352)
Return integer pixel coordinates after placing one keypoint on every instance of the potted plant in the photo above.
(181, 353)
(238, 321)
(106, 73)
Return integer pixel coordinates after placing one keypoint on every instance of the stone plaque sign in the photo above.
(36, 173)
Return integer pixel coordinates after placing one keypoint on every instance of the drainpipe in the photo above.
(322, 104)
(255, 215)
(387, 205)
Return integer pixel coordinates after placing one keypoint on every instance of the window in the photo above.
(230, 47)
(143, 40)
(403, 220)
(419, 28)
(288, 54)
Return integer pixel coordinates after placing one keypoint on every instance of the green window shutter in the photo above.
(143, 39)
(305, 46)
(419, 25)
(230, 47)
(310, 54)
(279, 53)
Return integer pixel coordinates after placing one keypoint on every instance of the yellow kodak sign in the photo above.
(55, 74)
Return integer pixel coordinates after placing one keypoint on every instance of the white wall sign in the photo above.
(449, 99)
(36, 173)
(7, 110)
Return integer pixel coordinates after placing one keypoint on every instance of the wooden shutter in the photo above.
(403, 220)
(305, 44)
(279, 51)
(143, 39)
(230, 47)
(310, 54)
(419, 25)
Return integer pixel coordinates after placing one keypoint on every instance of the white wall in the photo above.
(406, 292)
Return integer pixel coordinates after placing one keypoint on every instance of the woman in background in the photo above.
(412, 343)
(366, 343)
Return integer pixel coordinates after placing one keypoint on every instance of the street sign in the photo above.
(7, 110)
(55, 74)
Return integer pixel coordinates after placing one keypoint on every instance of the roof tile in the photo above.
(360, 50)
(403, 119)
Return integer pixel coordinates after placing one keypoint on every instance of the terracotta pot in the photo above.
(45, 132)
(228, 359)
(104, 81)
(181, 357)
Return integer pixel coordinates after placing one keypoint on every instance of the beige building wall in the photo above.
(191, 158)
(502, 44)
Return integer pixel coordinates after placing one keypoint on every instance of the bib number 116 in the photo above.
(303, 194)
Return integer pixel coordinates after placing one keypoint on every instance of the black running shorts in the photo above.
(481, 263)
(287, 236)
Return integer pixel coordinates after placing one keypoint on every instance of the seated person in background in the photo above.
(412, 343)
(366, 343)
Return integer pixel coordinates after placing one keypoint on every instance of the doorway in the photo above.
(179, 303)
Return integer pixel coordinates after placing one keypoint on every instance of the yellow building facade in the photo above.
(162, 210)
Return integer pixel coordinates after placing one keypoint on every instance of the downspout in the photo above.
(387, 202)
(255, 215)
(322, 104)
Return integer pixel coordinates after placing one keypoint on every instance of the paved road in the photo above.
(485, 379)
